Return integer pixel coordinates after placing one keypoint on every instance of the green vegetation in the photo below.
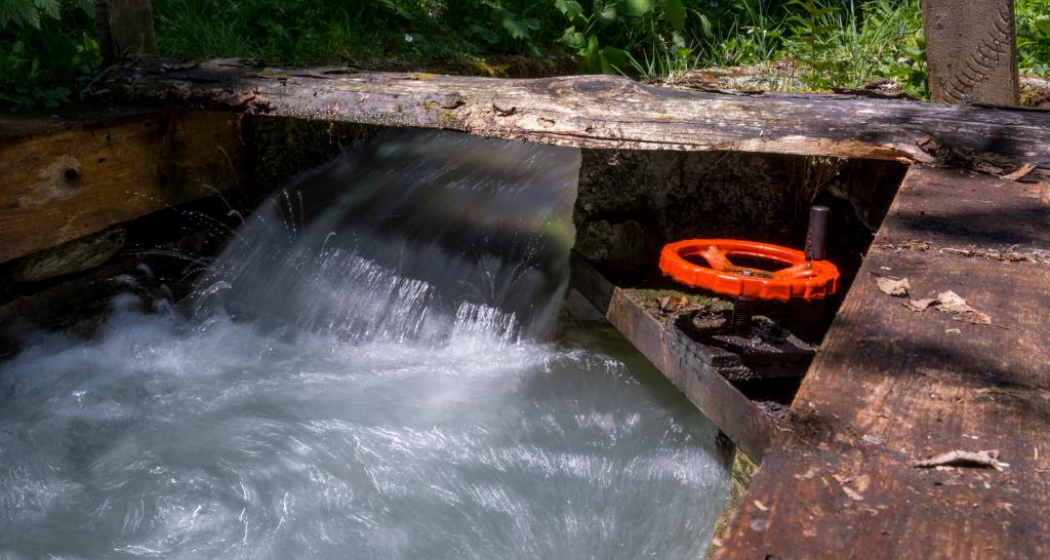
(1033, 36)
(48, 51)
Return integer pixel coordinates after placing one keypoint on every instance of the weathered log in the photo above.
(599, 112)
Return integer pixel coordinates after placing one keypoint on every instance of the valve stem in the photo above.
(743, 317)
(816, 235)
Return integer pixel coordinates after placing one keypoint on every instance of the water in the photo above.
(328, 394)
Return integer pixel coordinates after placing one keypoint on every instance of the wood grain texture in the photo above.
(971, 51)
(61, 182)
(598, 111)
(892, 387)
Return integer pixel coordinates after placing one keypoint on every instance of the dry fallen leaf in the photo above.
(893, 287)
(953, 304)
(958, 458)
(667, 305)
(809, 474)
(853, 494)
(1020, 173)
(873, 439)
(862, 483)
(919, 304)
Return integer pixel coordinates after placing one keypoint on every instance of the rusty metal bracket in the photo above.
(680, 359)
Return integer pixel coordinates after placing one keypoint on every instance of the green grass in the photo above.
(48, 51)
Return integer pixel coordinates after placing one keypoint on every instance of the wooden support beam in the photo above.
(599, 112)
(971, 51)
(891, 388)
(61, 180)
(125, 27)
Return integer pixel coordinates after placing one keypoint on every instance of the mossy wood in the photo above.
(62, 179)
(599, 112)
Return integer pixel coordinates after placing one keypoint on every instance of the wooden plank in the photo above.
(675, 356)
(892, 387)
(599, 112)
(73, 180)
(20, 125)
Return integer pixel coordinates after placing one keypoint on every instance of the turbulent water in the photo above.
(365, 373)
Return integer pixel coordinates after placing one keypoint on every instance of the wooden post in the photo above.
(971, 51)
(124, 27)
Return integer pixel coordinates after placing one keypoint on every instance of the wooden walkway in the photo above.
(893, 387)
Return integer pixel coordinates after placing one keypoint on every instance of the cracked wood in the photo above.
(599, 112)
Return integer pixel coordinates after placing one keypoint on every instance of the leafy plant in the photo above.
(614, 33)
(28, 13)
(1033, 36)
(47, 53)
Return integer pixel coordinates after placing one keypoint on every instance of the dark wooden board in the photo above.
(81, 116)
(598, 112)
(64, 179)
(892, 386)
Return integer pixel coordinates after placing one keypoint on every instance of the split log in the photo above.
(600, 112)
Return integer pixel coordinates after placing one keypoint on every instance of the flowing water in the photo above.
(366, 372)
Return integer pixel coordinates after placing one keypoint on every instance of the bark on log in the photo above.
(599, 112)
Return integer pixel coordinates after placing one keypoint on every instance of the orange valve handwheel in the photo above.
(796, 277)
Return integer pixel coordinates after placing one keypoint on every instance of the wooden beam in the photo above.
(971, 51)
(61, 180)
(599, 112)
(892, 388)
(125, 27)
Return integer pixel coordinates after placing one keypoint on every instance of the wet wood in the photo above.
(676, 357)
(64, 179)
(892, 390)
(599, 112)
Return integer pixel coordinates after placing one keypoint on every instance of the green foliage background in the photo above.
(48, 51)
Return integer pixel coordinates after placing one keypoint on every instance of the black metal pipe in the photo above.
(816, 235)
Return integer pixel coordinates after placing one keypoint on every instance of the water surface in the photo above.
(365, 373)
